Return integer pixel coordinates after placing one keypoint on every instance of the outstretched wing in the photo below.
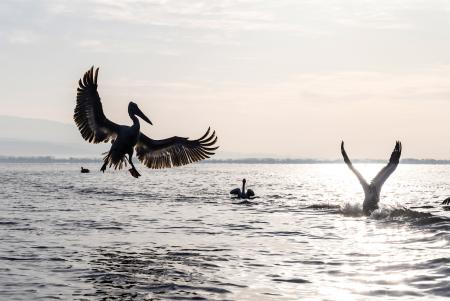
(382, 176)
(350, 165)
(88, 115)
(174, 151)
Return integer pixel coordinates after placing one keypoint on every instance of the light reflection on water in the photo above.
(175, 234)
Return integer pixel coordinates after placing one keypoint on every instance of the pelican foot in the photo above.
(134, 172)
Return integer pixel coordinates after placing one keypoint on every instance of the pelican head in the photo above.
(133, 109)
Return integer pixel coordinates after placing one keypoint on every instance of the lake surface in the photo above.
(176, 234)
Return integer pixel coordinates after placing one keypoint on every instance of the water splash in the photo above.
(353, 210)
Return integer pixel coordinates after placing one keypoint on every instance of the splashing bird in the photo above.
(166, 153)
(372, 190)
(242, 194)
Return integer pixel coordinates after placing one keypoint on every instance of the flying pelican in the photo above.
(372, 190)
(95, 127)
(243, 194)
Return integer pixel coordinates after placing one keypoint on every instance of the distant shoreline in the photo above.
(50, 159)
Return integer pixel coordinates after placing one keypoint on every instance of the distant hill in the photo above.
(29, 137)
(39, 140)
(38, 137)
(50, 159)
(318, 161)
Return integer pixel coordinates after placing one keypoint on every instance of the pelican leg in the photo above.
(133, 170)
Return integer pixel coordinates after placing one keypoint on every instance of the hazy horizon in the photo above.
(35, 137)
(287, 78)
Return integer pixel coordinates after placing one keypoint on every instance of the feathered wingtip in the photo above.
(396, 153)
(90, 78)
(398, 146)
(207, 142)
(344, 153)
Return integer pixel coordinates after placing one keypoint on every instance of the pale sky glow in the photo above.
(283, 78)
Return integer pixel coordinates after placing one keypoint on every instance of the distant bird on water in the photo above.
(372, 190)
(95, 127)
(242, 194)
(84, 170)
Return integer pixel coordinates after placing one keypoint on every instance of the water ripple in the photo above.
(176, 234)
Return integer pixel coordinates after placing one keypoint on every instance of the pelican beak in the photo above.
(142, 115)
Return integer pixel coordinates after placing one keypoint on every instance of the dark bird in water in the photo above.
(84, 170)
(242, 194)
(96, 128)
(446, 201)
(372, 190)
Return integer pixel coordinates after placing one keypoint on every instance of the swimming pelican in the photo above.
(242, 194)
(372, 190)
(95, 127)
(84, 170)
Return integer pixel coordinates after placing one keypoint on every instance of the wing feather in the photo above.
(353, 169)
(175, 151)
(384, 173)
(88, 115)
(235, 191)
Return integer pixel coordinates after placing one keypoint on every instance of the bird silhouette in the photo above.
(95, 128)
(242, 194)
(372, 190)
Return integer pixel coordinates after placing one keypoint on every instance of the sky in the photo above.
(286, 78)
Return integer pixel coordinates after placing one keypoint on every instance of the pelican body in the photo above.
(125, 140)
(242, 194)
(372, 190)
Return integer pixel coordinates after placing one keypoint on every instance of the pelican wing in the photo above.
(384, 173)
(89, 117)
(350, 165)
(235, 191)
(174, 151)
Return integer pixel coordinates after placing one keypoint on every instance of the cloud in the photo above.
(93, 44)
(194, 15)
(419, 85)
(235, 23)
(23, 37)
(107, 46)
(234, 15)
(57, 7)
